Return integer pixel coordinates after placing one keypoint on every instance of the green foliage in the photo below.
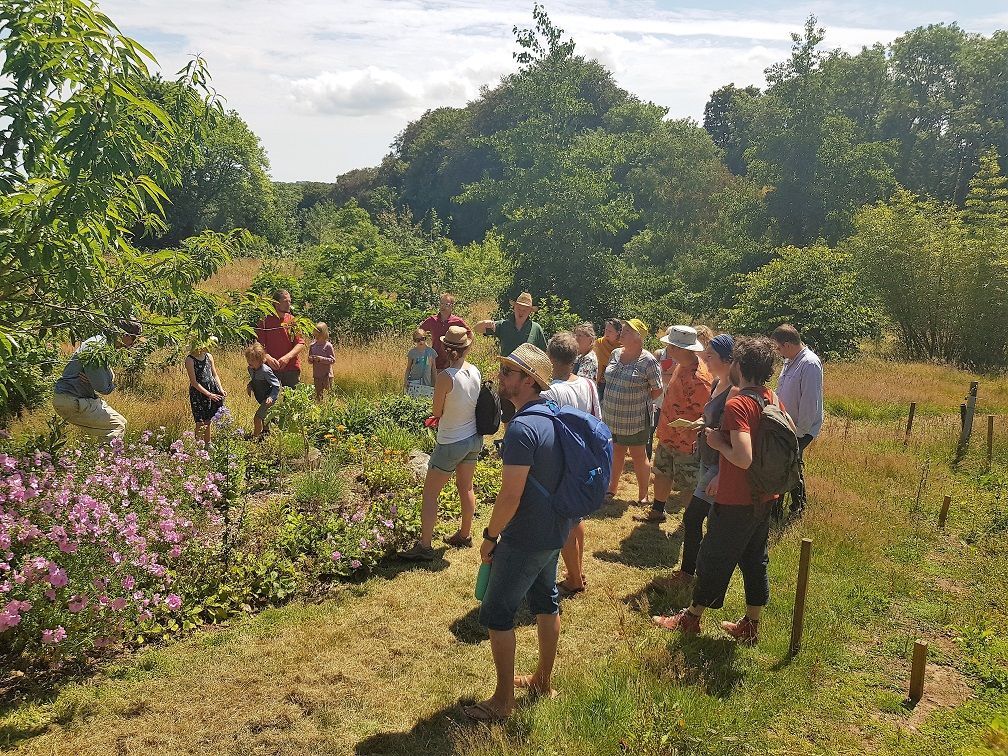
(365, 416)
(322, 486)
(223, 173)
(554, 315)
(86, 159)
(943, 280)
(814, 288)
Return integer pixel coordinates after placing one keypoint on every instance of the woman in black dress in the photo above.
(206, 396)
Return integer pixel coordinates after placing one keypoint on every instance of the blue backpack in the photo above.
(587, 448)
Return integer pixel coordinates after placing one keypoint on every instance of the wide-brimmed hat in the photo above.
(532, 361)
(639, 326)
(524, 299)
(683, 337)
(457, 337)
(130, 326)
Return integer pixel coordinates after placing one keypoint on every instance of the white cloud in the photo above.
(355, 93)
(327, 84)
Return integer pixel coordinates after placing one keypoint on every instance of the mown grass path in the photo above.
(379, 668)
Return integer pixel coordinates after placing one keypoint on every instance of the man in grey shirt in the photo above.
(75, 397)
(800, 388)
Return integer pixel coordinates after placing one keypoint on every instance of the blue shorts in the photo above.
(446, 457)
(516, 574)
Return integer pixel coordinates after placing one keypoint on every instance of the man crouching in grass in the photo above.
(530, 535)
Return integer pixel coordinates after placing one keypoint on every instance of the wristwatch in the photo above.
(487, 536)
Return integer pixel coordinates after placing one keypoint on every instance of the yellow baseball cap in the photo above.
(640, 326)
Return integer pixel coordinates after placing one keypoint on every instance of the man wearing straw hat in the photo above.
(517, 329)
(522, 542)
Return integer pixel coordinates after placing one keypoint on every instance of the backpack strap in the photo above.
(760, 399)
(543, 409)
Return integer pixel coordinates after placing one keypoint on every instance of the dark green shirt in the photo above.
(510, 337)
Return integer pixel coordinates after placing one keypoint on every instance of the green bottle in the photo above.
(482, 579)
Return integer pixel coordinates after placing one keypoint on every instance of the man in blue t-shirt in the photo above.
(524, 537)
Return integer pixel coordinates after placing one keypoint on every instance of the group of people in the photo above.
(701, 397)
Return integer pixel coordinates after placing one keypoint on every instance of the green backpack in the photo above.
(776, 463)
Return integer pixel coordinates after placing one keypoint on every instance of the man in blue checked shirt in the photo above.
(800, 388)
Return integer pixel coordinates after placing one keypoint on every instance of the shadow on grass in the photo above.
(648, 545)
(431, 735)
(613, 509)
(708, 662)
(394, 565)
(469, 630)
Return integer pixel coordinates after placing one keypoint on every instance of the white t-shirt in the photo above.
(458, 421)
(580, 393)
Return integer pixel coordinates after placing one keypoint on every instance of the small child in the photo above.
(420, 362)
(322, 357)
(263, 383)
(206, 396)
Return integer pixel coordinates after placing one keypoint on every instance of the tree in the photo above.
(727, 119)
(223, 173)
(987, 201)
(815, 288)
(84, 156)
(816, 164)
(915, 256)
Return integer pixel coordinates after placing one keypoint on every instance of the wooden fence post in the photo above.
(990, 441)
(917, 668)
(966, 411)
(798, 620)
(910, 419)
(943, 514)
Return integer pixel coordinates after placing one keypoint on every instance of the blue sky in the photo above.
(327, 84)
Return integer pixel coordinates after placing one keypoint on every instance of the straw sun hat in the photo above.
(532, 361)
(457, 337)
(524, 299)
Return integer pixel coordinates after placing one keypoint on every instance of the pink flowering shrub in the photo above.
(90, 541)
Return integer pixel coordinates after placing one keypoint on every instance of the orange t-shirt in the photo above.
(687, 392)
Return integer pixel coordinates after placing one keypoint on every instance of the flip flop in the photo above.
(525, 683)
(566, 592)
(480, 712)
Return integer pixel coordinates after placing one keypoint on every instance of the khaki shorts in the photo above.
(681, 468)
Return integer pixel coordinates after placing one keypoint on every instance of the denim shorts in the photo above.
(516, 574)
(446, 457)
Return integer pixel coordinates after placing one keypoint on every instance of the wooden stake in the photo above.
(966, 413)
(943, 514)
(990, 441)
(798, 620)
(917, 671)
(910, 419)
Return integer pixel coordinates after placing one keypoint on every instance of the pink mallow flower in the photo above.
(54, 636)
(173, 601)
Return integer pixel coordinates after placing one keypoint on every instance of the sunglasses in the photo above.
(506, 371)
(419, 341)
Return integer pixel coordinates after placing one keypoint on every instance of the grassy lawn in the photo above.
(379, 667)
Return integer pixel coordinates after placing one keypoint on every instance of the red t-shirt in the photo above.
(438, 328)
(741, 413)
(274, 333)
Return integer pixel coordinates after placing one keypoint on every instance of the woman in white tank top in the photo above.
(456, 389)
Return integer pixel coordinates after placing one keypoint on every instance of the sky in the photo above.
(328, 84)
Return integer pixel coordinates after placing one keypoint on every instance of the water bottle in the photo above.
(482, 579)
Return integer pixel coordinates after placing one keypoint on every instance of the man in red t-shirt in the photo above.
(738, 527)
(283, 345)
(437, 325)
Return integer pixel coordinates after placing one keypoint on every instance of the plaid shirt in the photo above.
(626, 406)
